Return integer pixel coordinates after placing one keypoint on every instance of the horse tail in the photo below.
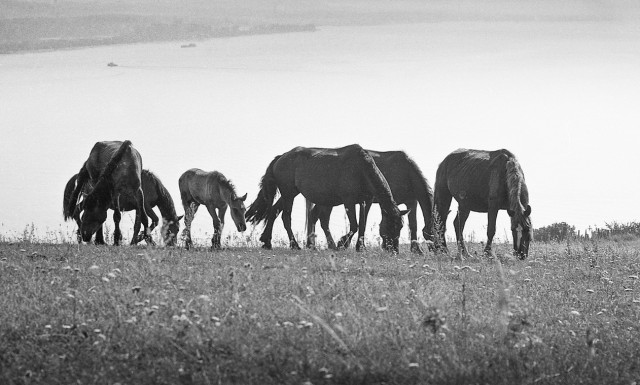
(260, 209)
(113, 163)
(66, 201)
(81, 178)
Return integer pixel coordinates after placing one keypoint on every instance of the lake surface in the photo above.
(562, 96)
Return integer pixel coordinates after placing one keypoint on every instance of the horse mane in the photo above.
(103, 184)
(379, 184)
(517, 189)
(226, 183)
(165, 203)
(423, 180)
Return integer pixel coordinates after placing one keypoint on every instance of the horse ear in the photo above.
(404, 212)
(510, 212)
(242, 198)
(527, 212)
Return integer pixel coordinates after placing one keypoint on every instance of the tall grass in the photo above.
(86, 314)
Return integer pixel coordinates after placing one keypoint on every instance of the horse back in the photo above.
(127, 176)
(201, 187)
(473, 177)
(327, 176)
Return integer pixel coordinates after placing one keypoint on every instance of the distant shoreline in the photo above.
(25, 35)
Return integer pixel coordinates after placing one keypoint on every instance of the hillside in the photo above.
(55, 24)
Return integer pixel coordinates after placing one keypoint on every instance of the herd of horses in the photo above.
(112, 177)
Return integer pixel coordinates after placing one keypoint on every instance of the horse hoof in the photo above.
(266, 246)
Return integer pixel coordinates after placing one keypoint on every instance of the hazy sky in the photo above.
(561, 96)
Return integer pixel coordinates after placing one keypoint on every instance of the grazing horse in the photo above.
(155, 194)
(408, 186)
(327, 177)
(484, 181)
(114, 170)
(215, 191)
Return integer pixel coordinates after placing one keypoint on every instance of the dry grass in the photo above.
(130, 315)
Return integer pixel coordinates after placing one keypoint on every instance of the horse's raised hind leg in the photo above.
(218, 224)
(364, 212)
(189, 213)
(286, 220)
(458, 223)
(413, 227)
(353, 227)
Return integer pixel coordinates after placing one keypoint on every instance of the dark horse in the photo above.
(114, 170)
(484, 181)
(155, 194)
(215, 191)
(328, 177)
(408, 185)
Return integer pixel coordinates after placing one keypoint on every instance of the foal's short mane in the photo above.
(516, 186)
(226, 183)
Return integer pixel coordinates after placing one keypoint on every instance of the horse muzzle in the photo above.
(241, 227)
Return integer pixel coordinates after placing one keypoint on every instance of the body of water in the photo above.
(562, 96)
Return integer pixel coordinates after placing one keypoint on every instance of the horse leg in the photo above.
(189, 213)
(154, 222)
(286, 220)
(76, 217)
(265, 238)
(491, 230)
(353, 226)
(442, 199)
(141, 218)
(218, 224)
(99, 239)
(312, 218)
(458, 223)
(413, 227)
(324, 224)
(117, 235)
(364, 212)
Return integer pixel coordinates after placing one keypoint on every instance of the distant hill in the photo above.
(54, 24)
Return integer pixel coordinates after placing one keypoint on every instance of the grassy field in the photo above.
(132, 315)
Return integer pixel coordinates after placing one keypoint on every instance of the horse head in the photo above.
(521, 231)
(169, 230)
(390, 227)
(237, 212)
(93, 215)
